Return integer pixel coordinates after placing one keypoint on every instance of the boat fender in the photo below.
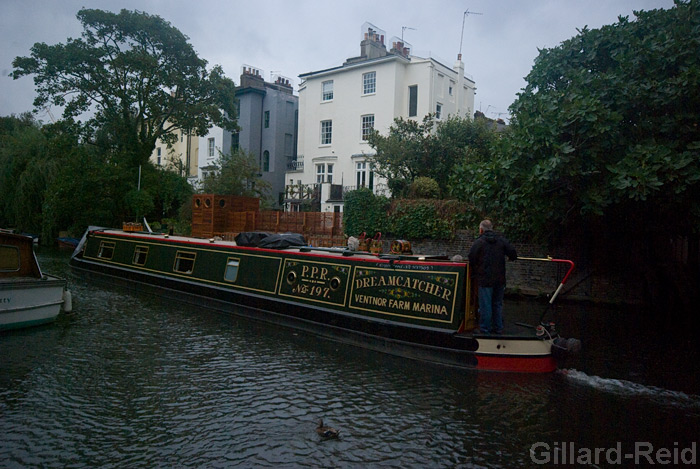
(67, 301)
(401, 246)
(375, 245)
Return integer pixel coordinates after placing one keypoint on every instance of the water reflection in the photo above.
(130, 380)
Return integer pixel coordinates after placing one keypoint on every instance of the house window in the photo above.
(267, 119)
(369, 83)
(326, 132)
(184, 262)
(324, 173)
(361, 173)
(159, 154)
(288, 145)
(140, 255)
(106, 250)
(210, 146)
(450, 90)
(235, 141)
(327, 94)
(364, 176)
(413, 101)
(266, 161)
(367, 126)
(438, 111)
(231, 273)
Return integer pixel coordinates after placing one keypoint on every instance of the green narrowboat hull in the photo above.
(405, 305)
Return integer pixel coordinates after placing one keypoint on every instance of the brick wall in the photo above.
(536, 278)
(541, 278)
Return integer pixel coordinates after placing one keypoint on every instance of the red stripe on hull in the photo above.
(368, 257)
(545, 364)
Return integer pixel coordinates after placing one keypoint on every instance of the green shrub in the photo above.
(364, 211)
(424, 188)
(424, 218)
(402, 218)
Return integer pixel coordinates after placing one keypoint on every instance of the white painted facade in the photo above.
(352, 105)
(182, 155)
(216, 141)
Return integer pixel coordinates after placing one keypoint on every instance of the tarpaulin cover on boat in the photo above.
(250, 238)
(269, 240)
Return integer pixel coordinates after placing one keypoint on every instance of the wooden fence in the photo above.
(319, 228)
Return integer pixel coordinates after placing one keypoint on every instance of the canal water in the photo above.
(128, 380)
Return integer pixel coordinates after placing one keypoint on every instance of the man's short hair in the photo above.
(486, 225)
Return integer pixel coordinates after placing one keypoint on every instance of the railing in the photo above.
(300, 191)
(378, 189)
(296, 165)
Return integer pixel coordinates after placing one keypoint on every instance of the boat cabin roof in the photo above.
(307, 250)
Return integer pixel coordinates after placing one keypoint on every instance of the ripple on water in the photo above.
(131, 381)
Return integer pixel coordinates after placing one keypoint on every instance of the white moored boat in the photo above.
(27, 296)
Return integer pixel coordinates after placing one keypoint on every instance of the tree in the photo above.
(604, 149)
(50, 181)
(428, 149)
(169, 191)
(400, 156)
(24, 172)
(237, 173)
(85, 191)
(136, 76)
(606, 128)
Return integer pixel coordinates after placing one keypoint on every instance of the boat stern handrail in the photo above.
(560, 261)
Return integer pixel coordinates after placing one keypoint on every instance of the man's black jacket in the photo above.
(487, 259)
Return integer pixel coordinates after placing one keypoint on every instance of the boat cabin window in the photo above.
(231, 273)
(140, 255)
(106, 250)
(184, 262)
(9, 258)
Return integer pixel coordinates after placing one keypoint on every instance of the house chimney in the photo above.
(372, 45)
(400, 47)
(251, 77)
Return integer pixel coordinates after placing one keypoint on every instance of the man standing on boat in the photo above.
(487, 260)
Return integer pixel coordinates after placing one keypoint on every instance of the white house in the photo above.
(216, 141)
(339, 106)
(181, 155)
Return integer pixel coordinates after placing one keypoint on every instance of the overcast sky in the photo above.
(292, 37)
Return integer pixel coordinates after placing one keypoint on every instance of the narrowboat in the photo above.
(420, 307)
(28, 297)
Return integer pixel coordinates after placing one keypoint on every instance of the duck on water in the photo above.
(326, 432)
